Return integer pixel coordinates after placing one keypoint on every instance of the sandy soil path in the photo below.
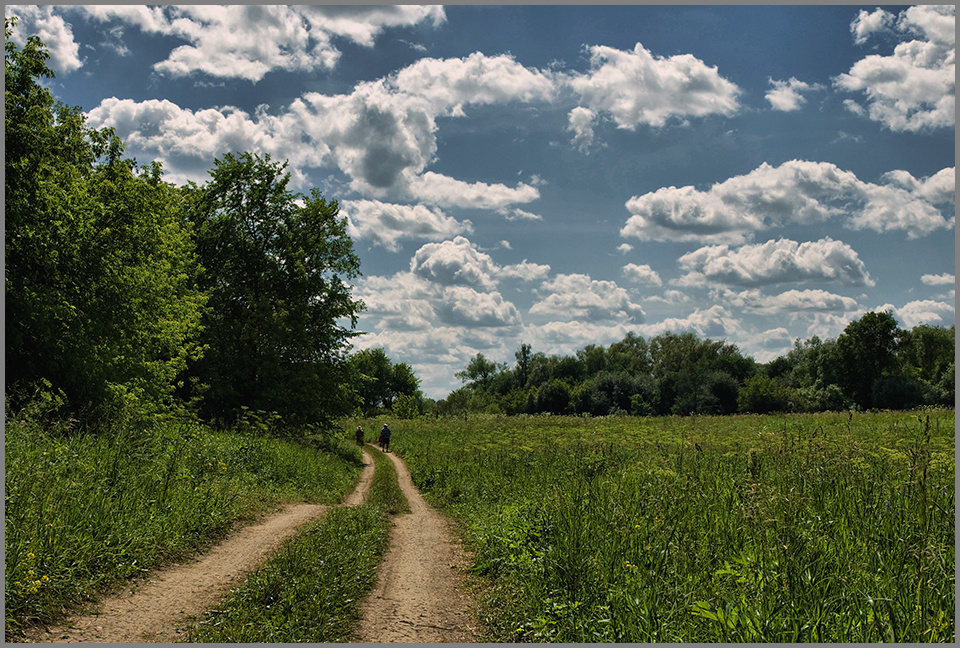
(419, 597)
(158, 608)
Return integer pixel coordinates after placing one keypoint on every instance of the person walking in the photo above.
(385, 438)
(359, 436)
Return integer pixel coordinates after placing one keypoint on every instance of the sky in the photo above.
(561, 176)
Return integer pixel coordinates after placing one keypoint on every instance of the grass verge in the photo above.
(311, 589)
(85, 511)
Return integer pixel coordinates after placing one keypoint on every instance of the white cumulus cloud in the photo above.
(53, 30)
(386, 224)
(797, 191)
(773, 262)
(944, 279)
(456, 262)
(636, 87)
(912, 89)
(643, 274)
(788, 95)
(578, 297)
(525, 271)
(867, 23)
(790, 301)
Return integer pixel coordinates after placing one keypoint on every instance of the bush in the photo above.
(762, 394)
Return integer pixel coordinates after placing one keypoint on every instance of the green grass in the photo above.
(310, 590)
(707, 529)
(85, 511)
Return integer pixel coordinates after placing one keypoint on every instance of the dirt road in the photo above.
(157, 609)
(418, 597)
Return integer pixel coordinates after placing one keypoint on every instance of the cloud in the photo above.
(623, 248)
(581, 122)
(923, 311)
(642, 274)
(797, 191)
(791, 301)
(867, 23)
(456, 262)
(714, 322)
(578, 297)
(773, 262)
(525, 271)
(911, 90)
(249, 41)
(463, 306)
(53, 30)
(518, 214)
(635, 87)
(382, 135)
(787, 95)
(768, 345)
(386, 224)
(670, 297)
(944, 279)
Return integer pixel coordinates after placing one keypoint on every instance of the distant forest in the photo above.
(872, 364)
(130, 298)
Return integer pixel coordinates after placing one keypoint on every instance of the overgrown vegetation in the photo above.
(873, 364)
(834, 527)
(310, 591)
(86, 510)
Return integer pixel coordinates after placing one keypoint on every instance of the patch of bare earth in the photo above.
(158, 608)
(420, 595)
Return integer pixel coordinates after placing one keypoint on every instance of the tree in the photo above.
(99, 262)
(866, 351)
(479, 372)
(762, 394)
(276, 266)
(522, 369)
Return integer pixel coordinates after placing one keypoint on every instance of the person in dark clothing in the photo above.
(359, 436)
(385, 438)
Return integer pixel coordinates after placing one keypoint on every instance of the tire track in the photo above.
(419, 597)
(159, 609)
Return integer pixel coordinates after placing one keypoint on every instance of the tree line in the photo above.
(872, 364)
(128, 296)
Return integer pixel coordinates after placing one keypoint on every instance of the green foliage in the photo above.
(407, 407)
(865, 352)
(99, 263)
(275, 264)
(762, 394)
(827, 528)
(380, 384)
(84, 511)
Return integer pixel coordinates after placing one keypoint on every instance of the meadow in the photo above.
(85, 511)
(812, 528)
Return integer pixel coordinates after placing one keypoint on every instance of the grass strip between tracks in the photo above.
(310, 590)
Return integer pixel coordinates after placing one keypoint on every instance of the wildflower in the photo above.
(37, 583)
(45, 579)
(30, 573)
(31, 556)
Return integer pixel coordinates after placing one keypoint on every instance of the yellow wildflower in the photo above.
(31, 556)
(45, 579)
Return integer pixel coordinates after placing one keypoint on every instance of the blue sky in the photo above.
(563, 175)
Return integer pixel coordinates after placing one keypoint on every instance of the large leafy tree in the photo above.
(866, 350)
(379, 382)
(98, 262)
(277, 265)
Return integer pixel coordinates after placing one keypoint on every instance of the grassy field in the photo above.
(831, 527)
(309, 592)
(85, 511)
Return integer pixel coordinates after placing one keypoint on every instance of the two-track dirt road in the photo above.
(158, 608)
(419, 596)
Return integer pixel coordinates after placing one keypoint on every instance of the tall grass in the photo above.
(311, 589)
(84, 511)
(793, 528)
